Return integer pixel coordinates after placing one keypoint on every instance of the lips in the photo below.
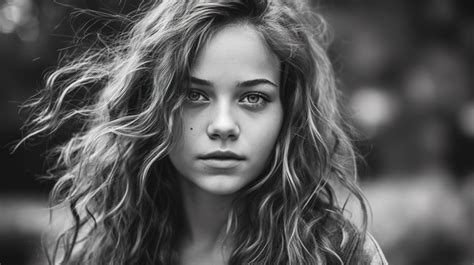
(222, 155)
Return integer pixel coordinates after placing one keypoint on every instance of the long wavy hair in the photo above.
(123, 102)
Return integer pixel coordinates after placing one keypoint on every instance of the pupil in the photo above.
(194, 96)
(253, 99)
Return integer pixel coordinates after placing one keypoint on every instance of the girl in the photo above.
(207, 134)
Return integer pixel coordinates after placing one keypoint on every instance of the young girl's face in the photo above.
(233, 112)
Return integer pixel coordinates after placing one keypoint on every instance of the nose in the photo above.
(223, 124)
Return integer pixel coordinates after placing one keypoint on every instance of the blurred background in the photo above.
(406, 68)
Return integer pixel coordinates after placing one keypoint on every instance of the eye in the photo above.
(255, 99)
(196, 96)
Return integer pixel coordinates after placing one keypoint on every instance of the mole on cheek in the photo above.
(191, 128)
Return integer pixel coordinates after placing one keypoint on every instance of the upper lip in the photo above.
(222, 155)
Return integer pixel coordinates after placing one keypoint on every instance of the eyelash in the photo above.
(199, 93)
(263, 99)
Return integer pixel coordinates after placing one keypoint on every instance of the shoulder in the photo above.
(373, 252)
(359, 249)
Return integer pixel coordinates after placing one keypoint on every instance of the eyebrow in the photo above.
(246, 83)
(199, 81)
(254, 82)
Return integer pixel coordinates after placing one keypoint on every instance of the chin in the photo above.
(221, 184)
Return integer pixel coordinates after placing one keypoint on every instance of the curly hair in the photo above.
(124, 101)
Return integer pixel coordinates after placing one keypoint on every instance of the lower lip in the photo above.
(221, 163)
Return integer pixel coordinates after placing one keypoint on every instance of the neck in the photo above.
(205, 216)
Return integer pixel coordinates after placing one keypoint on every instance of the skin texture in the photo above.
(227, 114)
(233, 105)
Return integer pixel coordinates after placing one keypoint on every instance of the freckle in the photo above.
(191, 128)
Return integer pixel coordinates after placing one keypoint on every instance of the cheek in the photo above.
(183, 148)
(190, 129)
(264, 135)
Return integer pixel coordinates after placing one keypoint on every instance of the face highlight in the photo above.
(233, 112)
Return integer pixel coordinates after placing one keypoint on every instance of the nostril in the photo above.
(223, 125)
(221, 132)
(223, 135)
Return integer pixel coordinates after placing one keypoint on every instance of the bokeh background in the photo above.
(406, 68)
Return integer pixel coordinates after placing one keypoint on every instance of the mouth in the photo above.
(222, 155)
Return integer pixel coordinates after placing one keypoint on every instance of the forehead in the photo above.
(236, 51)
